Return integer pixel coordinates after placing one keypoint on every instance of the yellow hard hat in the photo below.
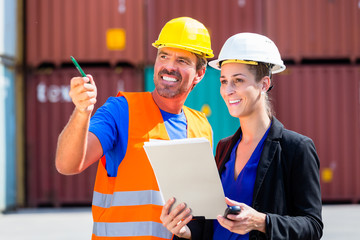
(185, 33)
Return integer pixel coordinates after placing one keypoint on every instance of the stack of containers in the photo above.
(8, 37)
(106, 38)
(322, 102)
(319, 95)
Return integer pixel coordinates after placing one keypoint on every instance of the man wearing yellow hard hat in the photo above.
(127, 203)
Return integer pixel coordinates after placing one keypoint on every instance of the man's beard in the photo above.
(167, 91)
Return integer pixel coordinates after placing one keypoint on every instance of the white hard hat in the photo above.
(251, 47)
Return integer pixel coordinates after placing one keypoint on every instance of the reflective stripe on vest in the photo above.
(133, 229)
(127, 198)
(129, 205)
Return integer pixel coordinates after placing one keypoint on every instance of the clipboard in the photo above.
(186, 169)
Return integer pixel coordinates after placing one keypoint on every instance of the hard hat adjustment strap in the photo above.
(269, 66)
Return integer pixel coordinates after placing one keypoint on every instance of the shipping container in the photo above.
(222, 18)
(307, 29)
(322, 102)
(8, 28)
(7, 138)
(48, 108)
(205, 97)
(109, 31)
(8, 118)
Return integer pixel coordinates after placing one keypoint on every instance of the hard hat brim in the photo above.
(216, 64)
(204, 53)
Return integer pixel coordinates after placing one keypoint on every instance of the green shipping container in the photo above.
(206, 98)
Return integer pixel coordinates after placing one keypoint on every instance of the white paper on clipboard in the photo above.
(186, 169)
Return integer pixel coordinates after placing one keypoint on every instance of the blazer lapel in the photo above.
(266, 158)
(271, 145)
(226, 149)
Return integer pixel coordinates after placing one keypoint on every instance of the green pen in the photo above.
(78, 66)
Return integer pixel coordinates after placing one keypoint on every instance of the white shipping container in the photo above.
(8, 28)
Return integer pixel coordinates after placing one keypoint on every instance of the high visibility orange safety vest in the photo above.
(128, 206)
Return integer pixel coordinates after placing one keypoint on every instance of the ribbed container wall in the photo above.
(222, 18)
(321, 29)
(48, 108)
(89, 30)
(322, 102)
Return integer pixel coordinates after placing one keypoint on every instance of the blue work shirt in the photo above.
(110, 124)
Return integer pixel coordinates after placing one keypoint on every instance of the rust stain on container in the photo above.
(314, 29)
(322, 102)
(48, 108)
(222, 18)
(59, 29)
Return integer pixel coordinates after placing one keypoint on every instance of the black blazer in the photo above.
(287, 186)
